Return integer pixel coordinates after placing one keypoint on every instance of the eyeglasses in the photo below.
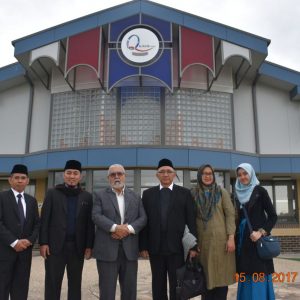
(207, 174)
(114, 174)
(168, 172)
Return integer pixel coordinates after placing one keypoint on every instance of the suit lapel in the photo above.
(172, 201)
(13, 202)
(79, 204)
(114, 200)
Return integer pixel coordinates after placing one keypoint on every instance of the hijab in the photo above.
(242, 191)
(206, 196)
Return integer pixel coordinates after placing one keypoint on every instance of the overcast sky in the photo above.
(277, 20)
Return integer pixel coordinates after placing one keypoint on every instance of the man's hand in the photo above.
(121, 232)
(22, 245)
(44, 251)
(144, 254)
(193, 253)
(88, 253)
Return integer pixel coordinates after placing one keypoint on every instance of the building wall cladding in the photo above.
(289, 244)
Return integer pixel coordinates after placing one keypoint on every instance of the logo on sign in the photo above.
(140, 45)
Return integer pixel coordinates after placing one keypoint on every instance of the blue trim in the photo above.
(295, 93)
(280, 73)
(128, 9)
(141, 157)
(11, 71)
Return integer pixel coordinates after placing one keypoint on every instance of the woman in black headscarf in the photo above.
(216, 228)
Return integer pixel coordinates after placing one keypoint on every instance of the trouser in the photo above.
(14, 276)
(218, 293)
(109, 272)
(55, 265)
(163, 266)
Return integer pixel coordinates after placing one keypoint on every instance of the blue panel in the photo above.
(295, 93)
(219, 160)
(295, 163)
(237, 159)
(161, 26)
(161, 69)
(117, 27)
(37, 161)
(108, 156)
(275, 165)
(11, 71)
(150, 157)
(7, 163)
(57, 160)
(280, 73)
(118, 69)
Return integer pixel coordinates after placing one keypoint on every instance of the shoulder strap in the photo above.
(247, 218)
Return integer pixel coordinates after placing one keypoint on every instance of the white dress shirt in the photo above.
(24, 208)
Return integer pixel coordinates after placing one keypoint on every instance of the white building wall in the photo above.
(278, 121)
(14, 105)
(40, 118)
(244, 118)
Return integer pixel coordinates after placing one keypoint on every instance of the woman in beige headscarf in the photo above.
(216, 228)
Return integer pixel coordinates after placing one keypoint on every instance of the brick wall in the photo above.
(289, 244)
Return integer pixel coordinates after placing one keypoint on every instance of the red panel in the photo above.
(196, 48)
(84, 49)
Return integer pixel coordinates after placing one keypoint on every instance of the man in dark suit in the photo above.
(119, 215)
(19, 226)
(169, 208)
(66, 234)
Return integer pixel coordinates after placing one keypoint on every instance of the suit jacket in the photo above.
(181, 212)
(106, 213)
(10, 226)
(261, 214)
(54, 221)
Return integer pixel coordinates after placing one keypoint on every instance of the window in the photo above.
(140, 116)
(83, 118)
(100, 180)
(149, 179)
(198, 118)
(283, 196)
(219, 178)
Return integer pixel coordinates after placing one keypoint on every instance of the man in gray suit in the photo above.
(119, 215)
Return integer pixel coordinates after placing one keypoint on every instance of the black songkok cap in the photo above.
(165, 163)
(22, 169)
(73, 164)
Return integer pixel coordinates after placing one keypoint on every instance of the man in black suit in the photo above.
(66, 234)
(19, 226)
(169, 208)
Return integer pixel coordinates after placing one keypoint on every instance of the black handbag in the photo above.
(190, 280)
(267, 246)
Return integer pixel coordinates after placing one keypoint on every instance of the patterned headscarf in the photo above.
(242, 191)
(206, 196)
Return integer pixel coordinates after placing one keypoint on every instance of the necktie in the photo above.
(21, 210)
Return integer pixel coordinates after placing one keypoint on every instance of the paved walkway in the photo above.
(284, 290)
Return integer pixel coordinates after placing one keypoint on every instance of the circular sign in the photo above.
(140, 45)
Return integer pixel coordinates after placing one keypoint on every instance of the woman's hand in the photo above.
(255, 235)
(230, 245)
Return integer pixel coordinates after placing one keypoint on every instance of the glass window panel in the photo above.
(140, 116)
(198, 118)
(100, 180)
(269, 190)
(80, 118)
(281, 193)
(219, 178)
(59, 178)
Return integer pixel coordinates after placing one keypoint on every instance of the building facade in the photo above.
(141, 81)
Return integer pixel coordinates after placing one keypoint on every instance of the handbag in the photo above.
(190, 280)
(267, 246)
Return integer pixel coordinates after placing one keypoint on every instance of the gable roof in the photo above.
(131, 8)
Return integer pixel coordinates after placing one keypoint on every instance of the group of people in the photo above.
(116, 227)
